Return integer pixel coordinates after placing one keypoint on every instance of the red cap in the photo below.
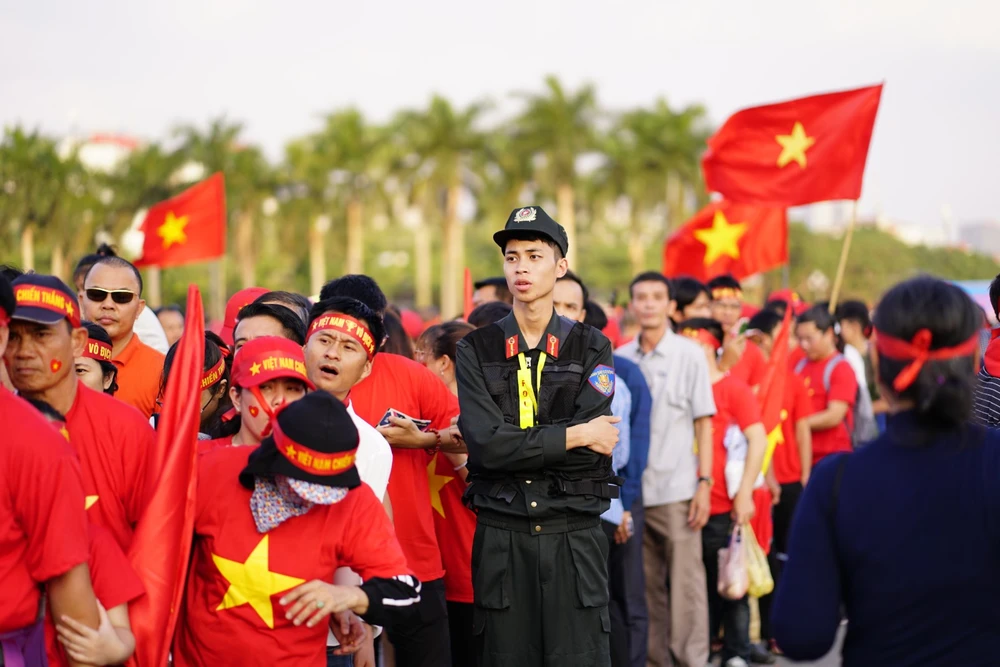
(264, 359)
(413, 324)
(244, 297)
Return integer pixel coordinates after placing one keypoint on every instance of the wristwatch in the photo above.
(707, 480)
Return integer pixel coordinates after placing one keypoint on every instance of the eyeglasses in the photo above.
(121, 296)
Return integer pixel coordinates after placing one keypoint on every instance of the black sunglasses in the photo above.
(98, 295)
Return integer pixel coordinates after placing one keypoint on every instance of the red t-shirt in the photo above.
(796, 405)
(208, 445)
(752, 366)
(454, 523)
(115, 444)
(403, 384)
(231, 613)
(115, 583)
(735, 406)
(843, 387)
(43, 527)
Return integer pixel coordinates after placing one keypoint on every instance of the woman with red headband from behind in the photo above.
(904, 534)
(267, 373)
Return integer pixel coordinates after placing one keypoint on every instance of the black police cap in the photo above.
(532, 221)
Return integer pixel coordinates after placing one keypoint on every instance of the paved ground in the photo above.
(832, 659)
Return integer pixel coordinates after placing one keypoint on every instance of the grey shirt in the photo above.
(677, 374)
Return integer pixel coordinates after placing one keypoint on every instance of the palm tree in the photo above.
(446, 140)
(559, 125)
(670, 145)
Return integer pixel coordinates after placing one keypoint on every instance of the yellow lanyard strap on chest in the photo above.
(528, 404)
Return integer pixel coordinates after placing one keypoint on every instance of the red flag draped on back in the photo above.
(162, 544)
(796, 152)
(772, 388)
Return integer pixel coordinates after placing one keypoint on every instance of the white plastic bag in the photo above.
(733, 577)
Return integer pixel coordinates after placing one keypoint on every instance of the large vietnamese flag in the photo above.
(190, 227)
(162, 544)
(796, 152)
(724, 237)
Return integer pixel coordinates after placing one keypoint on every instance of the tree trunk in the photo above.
(636, 250)
(245, 249)
(355, 238)
(28, 248)
(422, 262)
(567, 218)
(674, 201)
(154, 291)
(217, 282)
(317, 255)
(58, 265)
(451, 256)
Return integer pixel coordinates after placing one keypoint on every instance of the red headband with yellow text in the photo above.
(720, 293)
(47, 298)
(918, 351)
(213, 375)
(702, 336)
(97, 349)
(310, 460)
(347, 325)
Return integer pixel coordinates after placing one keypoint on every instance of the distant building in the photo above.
(982, 236)
(99, 152)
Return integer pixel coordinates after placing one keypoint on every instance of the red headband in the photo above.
(214, 375)
(918, 349)
(309, 460)
(727, 293)
(97, 349)
(702, 336)
(346, 325)
(47, 298)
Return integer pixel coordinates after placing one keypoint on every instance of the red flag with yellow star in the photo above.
(190, 227)
(725, 237)
(797, 152)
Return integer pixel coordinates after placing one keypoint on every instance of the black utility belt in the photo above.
(508, 490)
(552, 525)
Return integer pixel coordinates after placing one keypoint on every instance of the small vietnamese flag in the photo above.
(796, 152)
(772, 388)
(190, 227)
(723, 237)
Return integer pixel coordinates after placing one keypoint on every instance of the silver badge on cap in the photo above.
(525, 215)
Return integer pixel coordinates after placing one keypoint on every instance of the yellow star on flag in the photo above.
(794, 146)
(172, 230)
(255, 369)
(721, 239)
(437, 482)
(774, 438)
(253, 582)
(88, 501)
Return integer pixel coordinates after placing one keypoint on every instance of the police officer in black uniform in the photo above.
(535, 394)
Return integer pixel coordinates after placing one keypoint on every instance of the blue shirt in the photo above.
(911, 552)
(621, 406)
(631, 376)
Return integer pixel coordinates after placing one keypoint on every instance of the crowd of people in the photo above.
(530, 484)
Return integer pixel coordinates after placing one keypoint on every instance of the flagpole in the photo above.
(842, 267)
(154, 291)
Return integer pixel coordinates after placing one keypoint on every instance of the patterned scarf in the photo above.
(275, 501)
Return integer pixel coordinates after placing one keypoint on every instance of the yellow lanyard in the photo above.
(525, 392)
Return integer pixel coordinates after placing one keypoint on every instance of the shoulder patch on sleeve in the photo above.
(603, 379)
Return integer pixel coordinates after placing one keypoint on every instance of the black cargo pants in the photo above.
(541, 596)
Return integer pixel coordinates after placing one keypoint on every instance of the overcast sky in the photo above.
(140, 67)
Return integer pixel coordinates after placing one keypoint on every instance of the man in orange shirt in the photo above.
(112, 297)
